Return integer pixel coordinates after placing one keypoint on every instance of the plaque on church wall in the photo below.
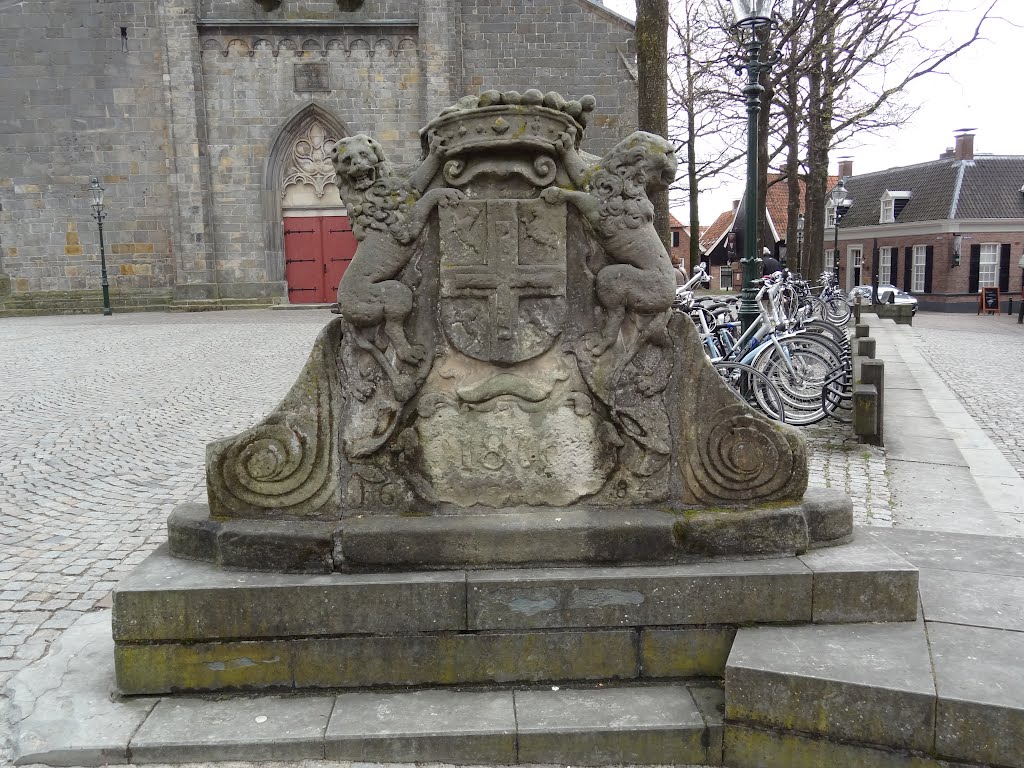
(312, 77)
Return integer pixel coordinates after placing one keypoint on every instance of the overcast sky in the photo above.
(979, 92)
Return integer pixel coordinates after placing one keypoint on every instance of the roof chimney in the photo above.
(964, 147)
(845, 167)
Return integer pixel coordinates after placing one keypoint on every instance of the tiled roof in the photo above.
(989, 188)
(675, 223)
(710, 237)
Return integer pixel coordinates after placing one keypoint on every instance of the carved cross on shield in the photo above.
(503, 277)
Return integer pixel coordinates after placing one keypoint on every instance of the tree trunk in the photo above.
(652, 86)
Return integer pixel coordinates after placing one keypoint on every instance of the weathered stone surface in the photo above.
(705, 593)
(659, 724)
(173, 667)
(710, 700)
(747, 747)
(685, 651)
(165, 598)
(979, 678)
(829, 515)
(513, 538)
(192, 730)
(61, 707)
(869, 683)
(742, 531)
(456, 727)
(862, 581)
(979, 599)
(483, 657)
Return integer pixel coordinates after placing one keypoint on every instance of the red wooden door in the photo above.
(339, 245)
(303, 260)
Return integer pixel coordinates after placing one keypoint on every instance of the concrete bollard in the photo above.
(872, 373)
(860, 331)
(866, 347)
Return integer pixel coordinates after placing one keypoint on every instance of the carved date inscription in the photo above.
(312, 77)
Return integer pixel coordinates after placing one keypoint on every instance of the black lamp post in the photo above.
(799, 241)
(753, 21)
(99, 215)
(841, 204)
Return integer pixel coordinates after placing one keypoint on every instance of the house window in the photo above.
(675, 238)
(918, 266)
(988, 272)
(725, 280)
(887, 212)
(830, 216)
(885, 265)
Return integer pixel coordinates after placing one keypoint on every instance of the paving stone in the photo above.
(236, 728)
(869, 683)
(657, 724)
(933, 450)
(62, 712)
(862, 581)
(166, 598)
(978, 599)
(747, 747)
(444, 726)
(955, 551)
(720, 592)
(979, 678)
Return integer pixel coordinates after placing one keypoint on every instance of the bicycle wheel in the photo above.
(798, 374)
(830, 331)
(752, 387)
(837, 310)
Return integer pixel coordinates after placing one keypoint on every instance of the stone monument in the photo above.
(506, 461)
(507, 382)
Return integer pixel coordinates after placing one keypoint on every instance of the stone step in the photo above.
(64, 715)
(188, 626)
(869, 694)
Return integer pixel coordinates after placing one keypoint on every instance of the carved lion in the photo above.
(618, 208)
(388, 214)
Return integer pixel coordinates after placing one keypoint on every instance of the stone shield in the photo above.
(503, 275)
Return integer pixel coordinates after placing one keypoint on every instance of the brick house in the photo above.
(941, 230)
(680, 250)
(726, 271)
(209, 123)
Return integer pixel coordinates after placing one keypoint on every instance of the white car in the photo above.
(887, 294)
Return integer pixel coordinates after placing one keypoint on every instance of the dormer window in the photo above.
(893, 204)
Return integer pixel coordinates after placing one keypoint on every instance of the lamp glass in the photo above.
(800, 223)
(839, 193)
(752, 13)
(97, 193)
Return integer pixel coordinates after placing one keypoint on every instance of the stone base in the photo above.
(570, 536)
(186, 626)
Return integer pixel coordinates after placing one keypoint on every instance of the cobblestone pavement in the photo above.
(981, 359)
(103, 423)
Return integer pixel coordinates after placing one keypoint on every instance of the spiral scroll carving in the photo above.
(286, 466)
(540, 172)
(742, 457)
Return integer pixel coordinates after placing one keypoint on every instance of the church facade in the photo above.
(209, 123)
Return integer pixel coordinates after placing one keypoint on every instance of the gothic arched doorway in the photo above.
(313, 239)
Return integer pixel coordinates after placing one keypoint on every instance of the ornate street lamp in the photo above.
(753, 23)
(841, 203)
(99, 215)
(799, 240)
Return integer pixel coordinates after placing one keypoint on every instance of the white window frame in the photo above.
(987, 265)
(885, 265)
(830, 216)
(675, 238)
(918, 266)
(886, 215)
(725, 278)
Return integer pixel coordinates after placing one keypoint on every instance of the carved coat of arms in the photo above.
(503, 273)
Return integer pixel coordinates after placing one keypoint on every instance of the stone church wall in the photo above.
(186, 119)
(74, 103)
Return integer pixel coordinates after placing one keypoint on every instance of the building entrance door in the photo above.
(317, 249)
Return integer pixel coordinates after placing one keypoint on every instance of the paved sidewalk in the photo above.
(945, 471)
